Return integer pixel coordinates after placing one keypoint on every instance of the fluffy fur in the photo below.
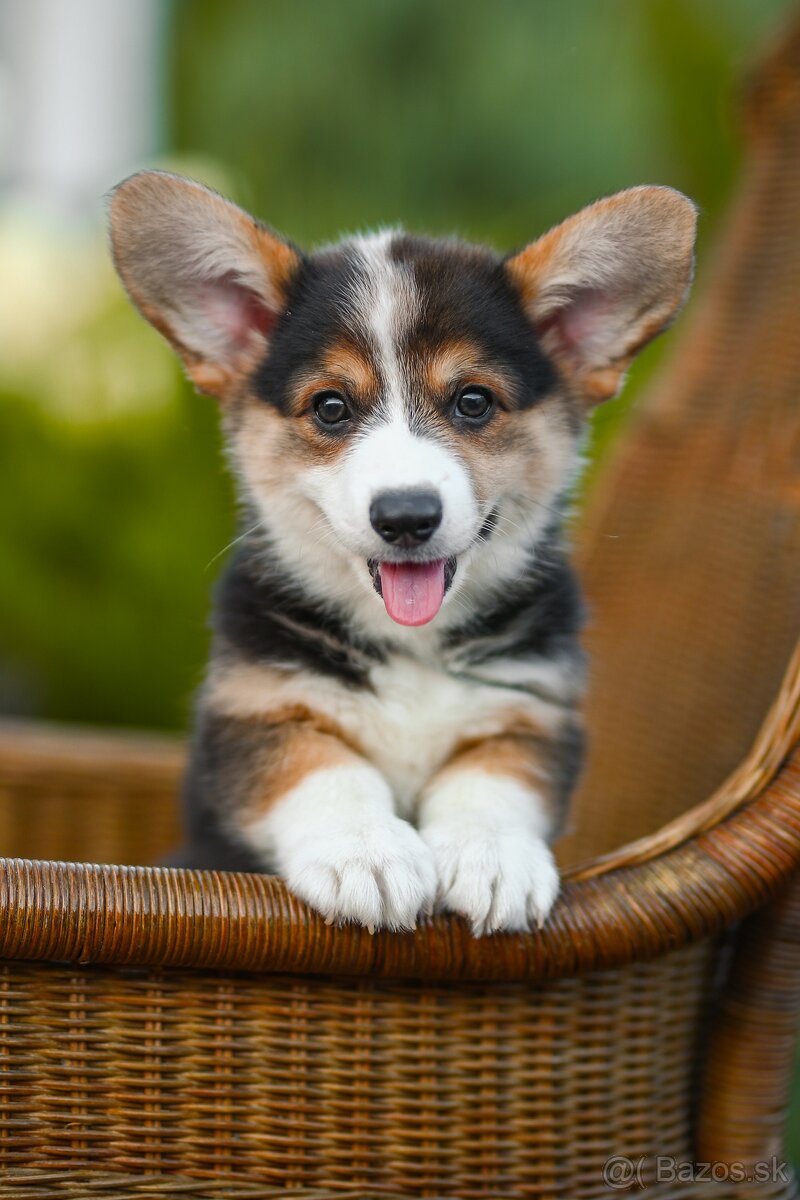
(387, 746)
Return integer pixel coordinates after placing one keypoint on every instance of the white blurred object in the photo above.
(80, 98)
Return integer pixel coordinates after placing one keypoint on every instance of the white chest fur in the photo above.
(408, 722)
(417, 714)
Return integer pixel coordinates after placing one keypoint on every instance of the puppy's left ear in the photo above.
(209, 277)
(599, 286)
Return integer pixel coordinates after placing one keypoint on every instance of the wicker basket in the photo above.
(199, 1034)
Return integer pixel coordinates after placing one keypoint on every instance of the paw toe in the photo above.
(359, 897)
(318, 885)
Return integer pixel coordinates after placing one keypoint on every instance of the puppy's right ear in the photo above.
(601, 284)
(205, 273)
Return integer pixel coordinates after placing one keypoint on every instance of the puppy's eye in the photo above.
(474, 403)
(331, 408)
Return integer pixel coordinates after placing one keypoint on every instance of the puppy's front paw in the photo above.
(496, 881)
(491, 865)
(339, 847)
(381, 875)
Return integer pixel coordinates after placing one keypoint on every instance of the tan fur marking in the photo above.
(344, 364)
(299, 742)
(207, 378)
(279, 258)
(268, 444)
(311, 720)
(343, 369)
(457, 363)
(521, 754)
(510, 754)
(598, 386)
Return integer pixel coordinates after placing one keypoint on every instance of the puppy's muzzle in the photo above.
(406, 517)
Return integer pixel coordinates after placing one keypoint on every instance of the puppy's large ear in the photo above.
(599, 286)
(208, 276)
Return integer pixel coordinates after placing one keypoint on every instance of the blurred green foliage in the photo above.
(490, 120)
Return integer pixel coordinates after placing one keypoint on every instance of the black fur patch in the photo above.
(227, 757)
(540, 615)
(464, 292)
(266, 618)
(317, 315)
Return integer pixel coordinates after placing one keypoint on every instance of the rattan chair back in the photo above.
(690, 549)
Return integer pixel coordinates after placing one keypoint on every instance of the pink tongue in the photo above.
(412, 592)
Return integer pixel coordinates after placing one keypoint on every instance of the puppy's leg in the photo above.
(487, 817)
(312, 808)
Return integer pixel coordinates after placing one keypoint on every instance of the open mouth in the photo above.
(412, 591)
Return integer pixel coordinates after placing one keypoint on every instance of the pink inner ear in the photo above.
(580, 327)
(236, 311)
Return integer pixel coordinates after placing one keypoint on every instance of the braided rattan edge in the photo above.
(149, 916)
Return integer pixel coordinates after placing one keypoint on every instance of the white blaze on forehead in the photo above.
(384, 298)
(387, 454)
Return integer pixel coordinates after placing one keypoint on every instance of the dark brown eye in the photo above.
(474, 403)
(331, 408)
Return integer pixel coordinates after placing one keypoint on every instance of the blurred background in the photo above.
(492, 121)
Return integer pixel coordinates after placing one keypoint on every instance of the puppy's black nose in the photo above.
(406, 517)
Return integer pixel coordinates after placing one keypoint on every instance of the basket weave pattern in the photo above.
(384, 1086)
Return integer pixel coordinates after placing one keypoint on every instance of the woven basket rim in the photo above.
(158, 916)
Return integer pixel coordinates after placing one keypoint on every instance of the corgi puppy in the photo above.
(390, 719)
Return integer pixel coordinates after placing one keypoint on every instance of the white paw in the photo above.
(381, 876)
(492, 864)
(339, 847)
(497, 881)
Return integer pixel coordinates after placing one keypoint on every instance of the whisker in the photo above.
(548, 508)
(235, 542)
(506, 521)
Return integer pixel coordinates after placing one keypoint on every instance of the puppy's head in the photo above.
(402, 412)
